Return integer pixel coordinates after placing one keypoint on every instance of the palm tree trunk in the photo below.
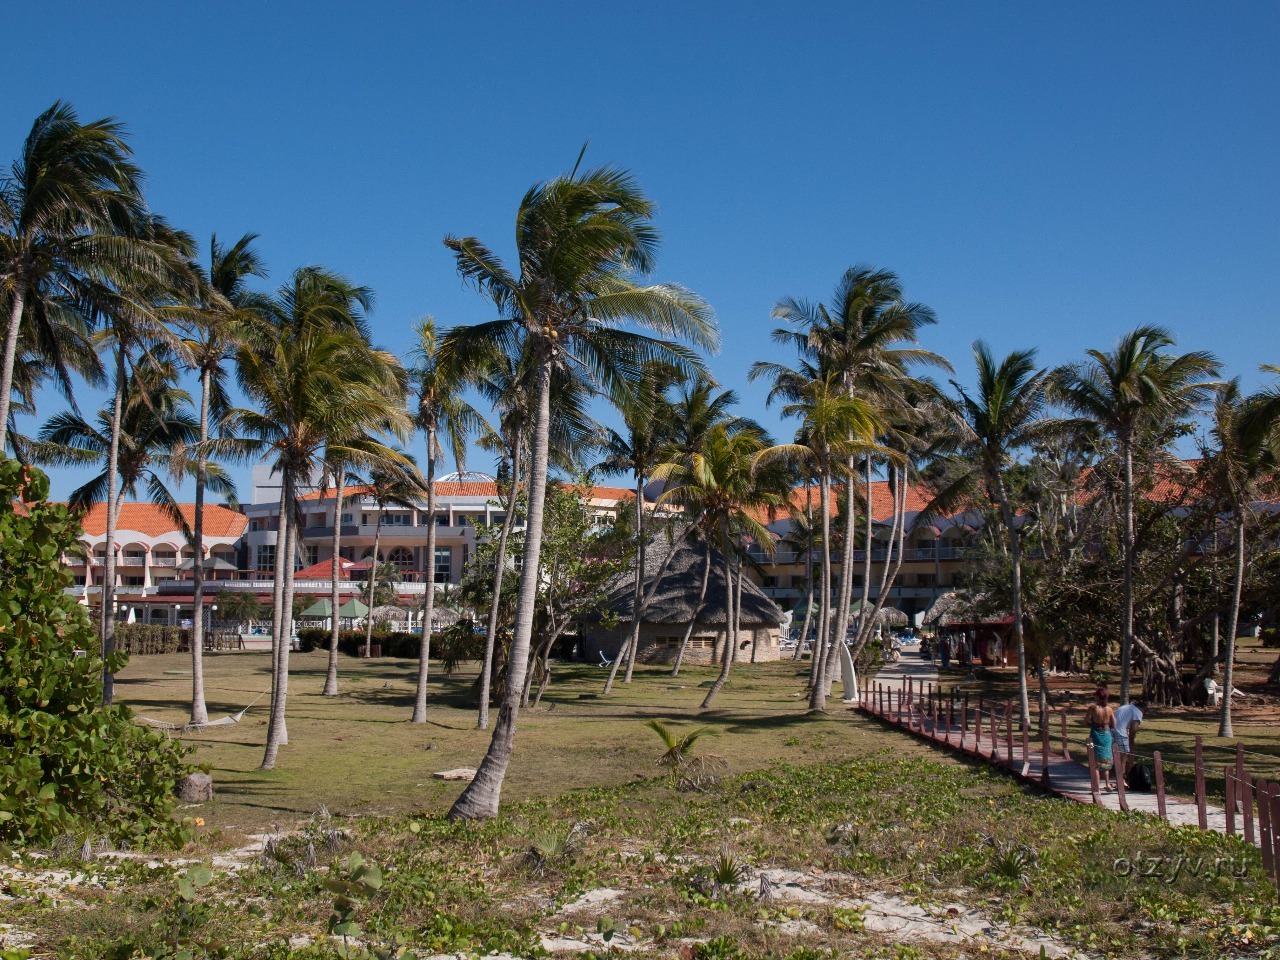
(481, 797)
(702, 596)
(199, 712)
(277, 590)
(277, 733)
(113, 517)
(869, 542)
(373, 582)
(892, 560)
(500, 569)
(1126, 627)
(808, 572)
(429, 601)
(1015, 557)
(846, 561)
(335, 578)
(628, 651)
(817, 675)
(10, 359)
(729, 653)
(1233, 625)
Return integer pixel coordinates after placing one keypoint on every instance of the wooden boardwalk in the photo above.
(900, 695)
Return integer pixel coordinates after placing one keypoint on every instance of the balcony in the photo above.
(132, 562)
(163, 561)
(312, 533)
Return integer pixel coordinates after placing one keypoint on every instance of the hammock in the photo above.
(226, 721)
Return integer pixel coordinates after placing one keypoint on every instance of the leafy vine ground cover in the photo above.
(675, 874)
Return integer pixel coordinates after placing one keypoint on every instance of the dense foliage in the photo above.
(68, 765)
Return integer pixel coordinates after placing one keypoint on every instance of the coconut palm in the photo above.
(321, 392)
(582, 242)
(392, 485)
(503, 380)
(727, 485)
(646, 416)
(1002, 415)
(446, 420)
(68, 208)
(1242, 470)
(835, 427)
(869, 335)
(1132, 392)
(223, 309)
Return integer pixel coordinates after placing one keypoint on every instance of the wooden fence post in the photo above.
(1044, 749)
(1008, 732)
(1202, 813)
(964, 720)
(1239, 769)
(1066, 753)
(1118, 759)
(1229, 779)
(1093, 777)
(1158, 764)
(1026, 745)
(1275, 833)
(1246, 803)
(995, 737)
(977, 728)
(1263, 793)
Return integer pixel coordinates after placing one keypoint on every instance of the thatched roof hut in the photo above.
(674, 605)
(677, 597)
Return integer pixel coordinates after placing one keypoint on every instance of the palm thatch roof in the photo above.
(677, 597)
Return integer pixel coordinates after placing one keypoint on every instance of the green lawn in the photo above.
(357, 754)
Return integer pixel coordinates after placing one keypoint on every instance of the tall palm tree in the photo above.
(322, 392)
(1264, 412)
(1242, 470)
(1129, 393)
(646, 416)
(67, 210)
(1004, 414)
(446, 420)
(503, 380)
(869, 335)
(726, 487)
(836, 426)
(224, 308)
(583, 242)
(388, 486)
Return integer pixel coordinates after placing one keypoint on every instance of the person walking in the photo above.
(1128, 720)
(1102, 720)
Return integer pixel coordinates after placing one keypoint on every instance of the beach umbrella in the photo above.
(352, 608)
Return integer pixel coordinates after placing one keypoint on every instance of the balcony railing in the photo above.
(132, 561)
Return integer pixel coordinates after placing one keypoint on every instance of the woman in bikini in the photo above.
(1102, 720)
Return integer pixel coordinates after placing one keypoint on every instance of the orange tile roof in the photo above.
(150, 521)
(881, 501)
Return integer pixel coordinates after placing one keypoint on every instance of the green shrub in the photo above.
(68, 765)
(1271, 637)
(140, 639)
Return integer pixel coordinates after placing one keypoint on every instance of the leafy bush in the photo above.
(135, 639)
(1271, 637)
(68, 764)
(452, 645)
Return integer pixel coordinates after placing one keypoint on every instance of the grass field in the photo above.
(356, 754)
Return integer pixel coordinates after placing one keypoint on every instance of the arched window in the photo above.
(402, 557)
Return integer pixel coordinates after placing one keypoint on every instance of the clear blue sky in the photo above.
(1041, 175)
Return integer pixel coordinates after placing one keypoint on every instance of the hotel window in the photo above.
(442, 519)
(266, 556)
(131, 581)
(444, 563)
(346, 517)
(397, 520)
(312, 554)
(402, 557)
(253, 526)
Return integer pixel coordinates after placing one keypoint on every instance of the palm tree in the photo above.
(726, 485)
(1130, 393)
(868, 335)
(1004, 414)
(582, 241)
(322, 392)
(835, 427)
(646, 415)
(503, 379)
(1263, 415)
(1242, 471)
(223, 309)
(445, 419)
(67, 211)
(392, 485)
